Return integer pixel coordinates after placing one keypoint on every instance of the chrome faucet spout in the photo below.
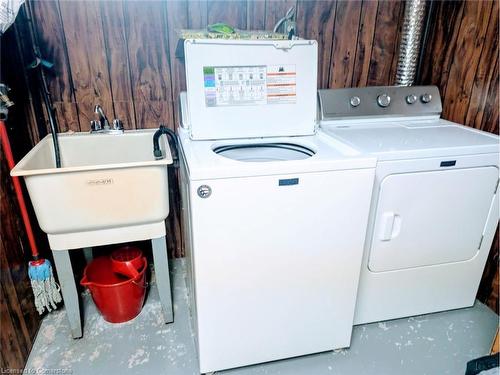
(102, 117)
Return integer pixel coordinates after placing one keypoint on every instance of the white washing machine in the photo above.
(274, 216)
(435, 203)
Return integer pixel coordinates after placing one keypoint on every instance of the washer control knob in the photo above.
(204, 191)
(410, 99)
(355, 101)
(426, 98)
(384, 100)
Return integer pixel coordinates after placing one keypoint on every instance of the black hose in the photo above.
(52, 121)
(172, 141)
(45, 90)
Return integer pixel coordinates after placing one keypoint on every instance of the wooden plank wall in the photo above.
(19, 319)
(462, 60)
(120, 54)
(18, 316)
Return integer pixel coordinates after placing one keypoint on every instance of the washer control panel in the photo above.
(379, 101)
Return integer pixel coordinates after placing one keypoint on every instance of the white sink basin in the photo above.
(109, 189)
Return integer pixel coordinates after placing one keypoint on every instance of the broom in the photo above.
(45, 288)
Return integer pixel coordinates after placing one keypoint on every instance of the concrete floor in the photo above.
(439, 343)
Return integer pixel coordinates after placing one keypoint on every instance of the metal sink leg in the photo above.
(160, 258)
(69, 292)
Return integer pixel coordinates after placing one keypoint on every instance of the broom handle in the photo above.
(17, 187)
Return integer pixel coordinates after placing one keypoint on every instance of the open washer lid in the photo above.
(250, 88)
(264, 152)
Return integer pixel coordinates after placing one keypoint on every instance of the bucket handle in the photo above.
(84, 281)
(134, 280)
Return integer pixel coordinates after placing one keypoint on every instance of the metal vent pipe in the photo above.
(409, 46)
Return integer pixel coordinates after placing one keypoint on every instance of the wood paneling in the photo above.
(197, 10)
(443, 39)
(316, 20)
(87, 57)
(366, 32)
(256, 15)
(230, 12)
(177, 19)
(145, 29)
(116, 46)
(489, 121)
(470, 43)
(276, 9)
(384, 47)
(343, 54)
(486, 73)
(19, 319)
(53, 47)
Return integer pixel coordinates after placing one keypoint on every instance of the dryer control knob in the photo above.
(426, 98)
(410, 99)
(384, 100)
(355, 101)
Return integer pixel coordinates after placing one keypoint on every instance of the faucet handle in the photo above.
(95, 126)
(117, 124)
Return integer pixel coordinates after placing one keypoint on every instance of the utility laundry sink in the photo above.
(109, 189)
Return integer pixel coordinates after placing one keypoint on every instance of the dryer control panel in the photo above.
(376, 101)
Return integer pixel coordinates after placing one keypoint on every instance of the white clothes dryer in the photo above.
(434, 209)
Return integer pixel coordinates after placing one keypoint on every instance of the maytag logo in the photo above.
(100, 182)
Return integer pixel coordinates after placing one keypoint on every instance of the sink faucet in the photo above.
(102, 117)
(102, 125)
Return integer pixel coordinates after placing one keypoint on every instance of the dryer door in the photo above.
(428, 218)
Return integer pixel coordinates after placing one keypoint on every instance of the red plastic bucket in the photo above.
(119, 299)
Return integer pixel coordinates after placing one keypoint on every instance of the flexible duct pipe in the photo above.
(409, 46)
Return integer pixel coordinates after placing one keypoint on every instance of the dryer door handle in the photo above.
(391, 226)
